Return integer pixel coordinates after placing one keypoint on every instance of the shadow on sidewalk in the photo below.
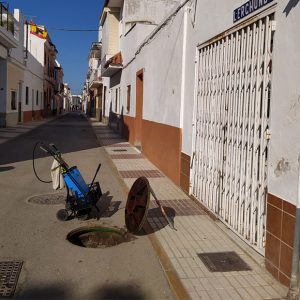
(156, 221)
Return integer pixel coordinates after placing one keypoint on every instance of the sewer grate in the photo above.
(119, 145)
(119, 150)
(9, 275)
(48, 199)
(223, 262)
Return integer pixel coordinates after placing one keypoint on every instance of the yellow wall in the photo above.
(114, 35)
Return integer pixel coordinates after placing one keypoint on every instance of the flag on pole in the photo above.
(38, 30)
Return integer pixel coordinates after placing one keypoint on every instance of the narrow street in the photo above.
(53, 268)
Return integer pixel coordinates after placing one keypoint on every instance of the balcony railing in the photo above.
(6, 19)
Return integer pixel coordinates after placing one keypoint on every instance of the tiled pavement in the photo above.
(196, 232)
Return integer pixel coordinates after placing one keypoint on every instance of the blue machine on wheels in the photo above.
(81, 197)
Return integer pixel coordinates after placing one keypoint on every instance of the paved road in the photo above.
(54, 268)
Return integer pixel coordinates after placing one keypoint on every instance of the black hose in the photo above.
(33, 165)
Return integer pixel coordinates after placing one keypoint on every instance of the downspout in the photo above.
(183, 66)
(293, 293)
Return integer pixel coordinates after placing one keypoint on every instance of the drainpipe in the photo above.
(183, 65)
(293, 293)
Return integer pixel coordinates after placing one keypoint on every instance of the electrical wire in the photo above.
(33, 164)
(74, 30)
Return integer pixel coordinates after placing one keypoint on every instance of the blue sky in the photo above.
(73, 47)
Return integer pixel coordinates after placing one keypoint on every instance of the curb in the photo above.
(174, 281)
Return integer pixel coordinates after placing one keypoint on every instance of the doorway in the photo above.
(231, 117)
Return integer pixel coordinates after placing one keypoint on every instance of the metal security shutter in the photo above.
(231, 121)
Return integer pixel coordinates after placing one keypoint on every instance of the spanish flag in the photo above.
(38, 30)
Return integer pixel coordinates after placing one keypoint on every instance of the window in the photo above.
(104, 100)
(13, 100)
(128, 98)
(119, 100)
(32, 97)
(37, 98)
(27, 95)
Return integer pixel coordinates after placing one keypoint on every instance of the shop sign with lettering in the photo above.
(248, 8)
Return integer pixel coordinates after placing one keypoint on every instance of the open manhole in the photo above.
(135, 216)
(99, 237)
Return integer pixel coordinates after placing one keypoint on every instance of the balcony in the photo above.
(112, 65)
(95, 51)
(95, 82)
(7, 27)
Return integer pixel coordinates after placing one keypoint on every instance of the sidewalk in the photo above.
(196, 234)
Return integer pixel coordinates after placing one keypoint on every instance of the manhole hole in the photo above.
(99, 237)
(48, 199)
(9, 275)
(223, 262)
(119, 150)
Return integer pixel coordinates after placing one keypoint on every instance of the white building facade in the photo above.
(67, 98)
(33, 103)
(210, 92)
(12, 66)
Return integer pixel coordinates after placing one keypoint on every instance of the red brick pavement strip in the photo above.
(111, 142)
(126, 156)
(139, 173)
(181, 207)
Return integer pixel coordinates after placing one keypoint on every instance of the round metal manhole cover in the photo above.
(99, 237)
(48, 199)
(137, 205)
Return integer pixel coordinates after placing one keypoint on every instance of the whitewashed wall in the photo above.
(161, 61)
(152, 11)
(212, 17)
(17, 54)
(34, 73)
(133, 39)
(285, 105)
(3, 85)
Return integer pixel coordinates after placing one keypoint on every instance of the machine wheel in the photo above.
(62, 215)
